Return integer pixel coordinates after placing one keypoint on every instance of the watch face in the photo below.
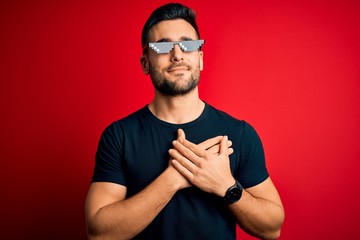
(235, 193)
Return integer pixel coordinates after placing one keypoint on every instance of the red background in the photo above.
(290, 68)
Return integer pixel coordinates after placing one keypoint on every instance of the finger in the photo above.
(216, 148)
(223, 146)
(193, 150)
(182, 170)
(210, 142)
(181, 135)
(230, 149)
(181, 159)
(229, 143)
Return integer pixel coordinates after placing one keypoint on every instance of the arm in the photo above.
(259, 211)
(110, 215)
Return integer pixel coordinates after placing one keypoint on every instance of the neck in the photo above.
(178, 109)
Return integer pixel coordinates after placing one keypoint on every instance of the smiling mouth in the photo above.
(175, 69)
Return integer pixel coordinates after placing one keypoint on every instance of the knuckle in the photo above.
(207, 155)
(195, 172)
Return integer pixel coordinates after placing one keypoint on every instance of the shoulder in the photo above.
(130, 121)
(220, 114)
(116, 131)
(235, 125)
(227, 119)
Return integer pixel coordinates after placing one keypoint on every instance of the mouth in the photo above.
(178, 68)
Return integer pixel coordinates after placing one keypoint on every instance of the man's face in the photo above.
(175, 73)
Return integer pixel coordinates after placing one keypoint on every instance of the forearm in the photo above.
(258, 217)
(125, 219)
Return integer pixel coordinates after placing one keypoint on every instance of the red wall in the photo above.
(69, 69)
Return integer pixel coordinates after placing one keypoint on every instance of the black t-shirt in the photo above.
(134, 151)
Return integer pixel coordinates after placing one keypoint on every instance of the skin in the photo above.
(206, 165)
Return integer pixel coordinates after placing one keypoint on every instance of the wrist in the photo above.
(226, 185)
(233, 193)
(175, 179)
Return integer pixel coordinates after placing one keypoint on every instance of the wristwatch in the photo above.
(233, 194)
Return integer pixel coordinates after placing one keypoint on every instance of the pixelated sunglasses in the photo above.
(166, 47)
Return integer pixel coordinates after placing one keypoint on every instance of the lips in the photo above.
(178, 68)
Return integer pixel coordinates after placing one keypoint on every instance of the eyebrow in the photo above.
(168, 39)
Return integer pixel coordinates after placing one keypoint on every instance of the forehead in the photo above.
(172, 30)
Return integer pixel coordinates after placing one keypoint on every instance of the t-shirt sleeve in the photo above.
(108, 165)
(252, 169)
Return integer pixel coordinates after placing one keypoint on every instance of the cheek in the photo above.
(158, 62)
(201, 61)
(196, 63)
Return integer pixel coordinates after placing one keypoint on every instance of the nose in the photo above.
(176, 54)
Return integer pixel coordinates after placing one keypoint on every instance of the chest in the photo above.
(145, 154)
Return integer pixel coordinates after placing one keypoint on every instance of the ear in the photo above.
(201, 59)
(144, 61)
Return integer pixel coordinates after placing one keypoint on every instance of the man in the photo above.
(169, 170)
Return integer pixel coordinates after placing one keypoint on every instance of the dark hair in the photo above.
(169, 11)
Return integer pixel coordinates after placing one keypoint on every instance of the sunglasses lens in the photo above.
(166, 47)
(161, 47)
(189, 46)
